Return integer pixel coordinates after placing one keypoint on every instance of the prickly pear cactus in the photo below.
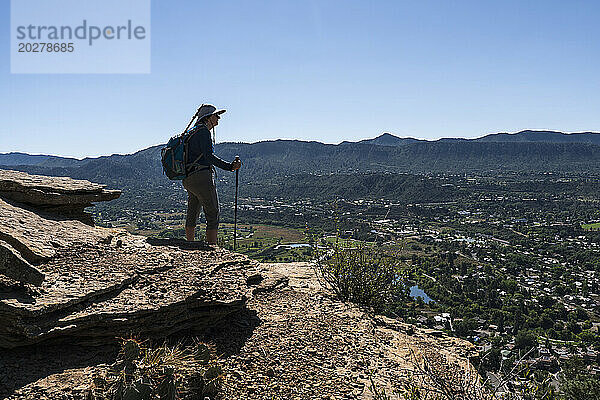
(163, 373)
(144, 389)
(195, 384)
(202, 353)
(131, 350)
(167, 389)
(211, 380)
(131, 393)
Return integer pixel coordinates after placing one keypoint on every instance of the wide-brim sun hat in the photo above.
(207, 110)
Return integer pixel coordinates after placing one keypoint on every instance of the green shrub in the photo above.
(362, 274)
(577, 383)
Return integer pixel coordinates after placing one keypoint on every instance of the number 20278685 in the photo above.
(46, 48)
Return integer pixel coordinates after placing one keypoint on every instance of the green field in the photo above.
(261, 242)
(264, 242)
(591, 227)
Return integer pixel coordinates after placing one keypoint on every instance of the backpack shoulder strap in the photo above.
(197, 159)
(188, 135)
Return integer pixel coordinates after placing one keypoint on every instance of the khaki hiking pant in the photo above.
(202, 191)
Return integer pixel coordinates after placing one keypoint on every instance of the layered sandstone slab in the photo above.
(14, 266)
(45, 190)
(58, 195)
(66, 281)
(37, 235)
(101, 292)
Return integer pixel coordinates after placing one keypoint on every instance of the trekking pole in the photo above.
(237, 174)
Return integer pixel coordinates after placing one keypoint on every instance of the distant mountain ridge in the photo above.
(293, 169)
(388, 139)
(543, 136)
(526, 151)
(18, 158)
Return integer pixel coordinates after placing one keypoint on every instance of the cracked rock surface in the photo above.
(95, 283)
(37, 235)
(95, 292)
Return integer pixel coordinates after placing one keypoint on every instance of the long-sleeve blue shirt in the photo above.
(201, 143)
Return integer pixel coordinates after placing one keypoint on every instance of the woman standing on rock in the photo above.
(200, 182)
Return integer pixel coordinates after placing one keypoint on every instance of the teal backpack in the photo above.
(174, 156)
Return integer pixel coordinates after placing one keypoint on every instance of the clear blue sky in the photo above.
(322, 70)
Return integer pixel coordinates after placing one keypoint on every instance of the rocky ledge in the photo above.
(65, 280)
(58, 195)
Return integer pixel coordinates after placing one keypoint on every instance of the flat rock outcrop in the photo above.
(38, 235)
(64, 280)
(59, 195)
(93, 294)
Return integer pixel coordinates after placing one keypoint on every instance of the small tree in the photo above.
(577, 383)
